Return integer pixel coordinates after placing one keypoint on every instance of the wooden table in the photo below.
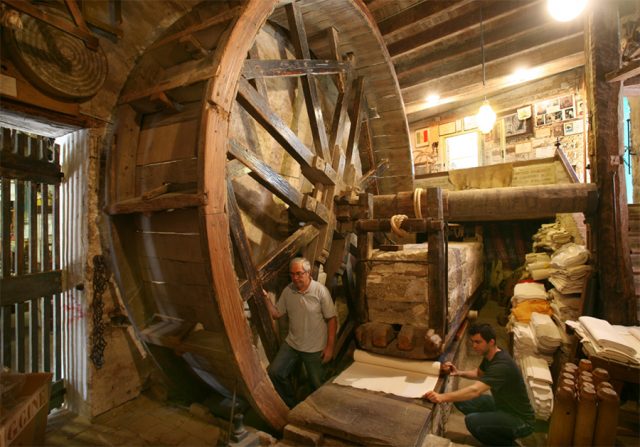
(364, 417)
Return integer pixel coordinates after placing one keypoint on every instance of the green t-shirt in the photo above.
(507, 386)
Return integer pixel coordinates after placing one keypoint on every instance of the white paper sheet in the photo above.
(406, 378)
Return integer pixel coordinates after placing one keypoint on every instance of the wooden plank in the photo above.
(123, 155)
(258, 83)
(627, 72)
(23, 168)
(280, 257)
(221, 17)
(408, 17)
(45, 257)
(5, 225)
(362, 417)
(7, 142)
(418, 40)
(266, 68)
(45, 329)
(20, 339)
(298, 36)
(34, 327)
(18, 289)
(18, 227)
(365, 245)
(179, 247)
(57, 336)
(356, 119)
(258, 307)
(616, 295)
(177, 172)
(161, 203)
(5, 333)
(257, 107)
(437, 263)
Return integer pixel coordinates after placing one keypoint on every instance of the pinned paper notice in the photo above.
(523, 148)
(524, 113)
(406, 378)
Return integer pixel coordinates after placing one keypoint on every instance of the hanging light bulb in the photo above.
(565, 10)
(486, 117)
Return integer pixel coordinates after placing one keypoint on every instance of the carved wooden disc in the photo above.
(54, 61)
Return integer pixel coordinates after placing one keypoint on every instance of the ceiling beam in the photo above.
(409, 17)
(550, 58)
(456, 26)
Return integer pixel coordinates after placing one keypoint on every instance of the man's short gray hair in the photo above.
(306, 265)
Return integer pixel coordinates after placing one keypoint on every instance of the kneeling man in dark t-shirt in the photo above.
(506, 414)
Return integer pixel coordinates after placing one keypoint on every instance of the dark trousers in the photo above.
(489, 425)
(280, 371)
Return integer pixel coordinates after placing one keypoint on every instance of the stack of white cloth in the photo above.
(565, 307)
(599, 337)
(538, 265)
(523, 342)
(528, 291)
(551, 236)
(537, 377)
(545, 333)
(569, 268)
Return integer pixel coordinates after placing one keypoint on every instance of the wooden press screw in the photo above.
(563, 418)
(607, 419)
(585, 417)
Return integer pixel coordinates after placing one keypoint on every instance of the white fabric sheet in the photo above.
(406, 378)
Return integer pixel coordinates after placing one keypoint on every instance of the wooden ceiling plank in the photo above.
(427, 37)
(554, 53)
(416, 13)
(257, 107)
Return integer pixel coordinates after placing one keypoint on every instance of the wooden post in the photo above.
(616, 294)
(438, 262)
(365, 244)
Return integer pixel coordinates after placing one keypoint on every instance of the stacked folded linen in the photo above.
(600, 338)
(528, 291)
(551, 236)
(523, 342)
(538, 381)
(532, 258)
(546, 334)
(569, 255)
(565, 307)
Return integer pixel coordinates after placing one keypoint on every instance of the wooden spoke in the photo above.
(258, 82)
(302, 205)
(292, 67)
(258, 307)
(163, 202)
(313, 168)
(356, 119)
(301, 44)
(280, 257)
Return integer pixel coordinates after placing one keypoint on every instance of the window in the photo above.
(463, 151)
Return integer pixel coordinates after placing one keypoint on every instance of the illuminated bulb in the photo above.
(565, 10)
(433, 99)
(486, 118)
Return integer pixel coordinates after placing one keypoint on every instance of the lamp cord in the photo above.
(482, 48)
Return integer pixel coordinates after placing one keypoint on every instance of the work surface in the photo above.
(364, 417)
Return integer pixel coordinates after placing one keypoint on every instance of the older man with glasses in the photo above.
(312, 330)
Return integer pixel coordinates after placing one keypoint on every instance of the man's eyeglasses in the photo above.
(297, 273)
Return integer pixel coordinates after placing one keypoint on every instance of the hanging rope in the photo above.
(417, 206)
(396, 222)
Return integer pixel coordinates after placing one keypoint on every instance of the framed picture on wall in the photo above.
(422, 137)
(514, 126)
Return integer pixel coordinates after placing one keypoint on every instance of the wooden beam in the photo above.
(280, 257)
(314, 169)
(627, 72)
(25, 168)
(83, 34)
(208, 23)
(19, 289)
(409, 17)
(274, 182)
(298, 35)
(421, 39)
(5, 225)
(259, 312)
(292, 67)
(498, 204)
(160, 203)
(356, 119)
(617, 302)
(437, 263)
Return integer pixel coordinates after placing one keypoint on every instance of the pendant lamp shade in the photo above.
(486, 118)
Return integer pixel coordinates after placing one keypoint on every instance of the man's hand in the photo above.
(449, 368)
(327, 354)
(434, 397)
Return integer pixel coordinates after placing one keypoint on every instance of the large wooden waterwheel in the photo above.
(235, 132)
